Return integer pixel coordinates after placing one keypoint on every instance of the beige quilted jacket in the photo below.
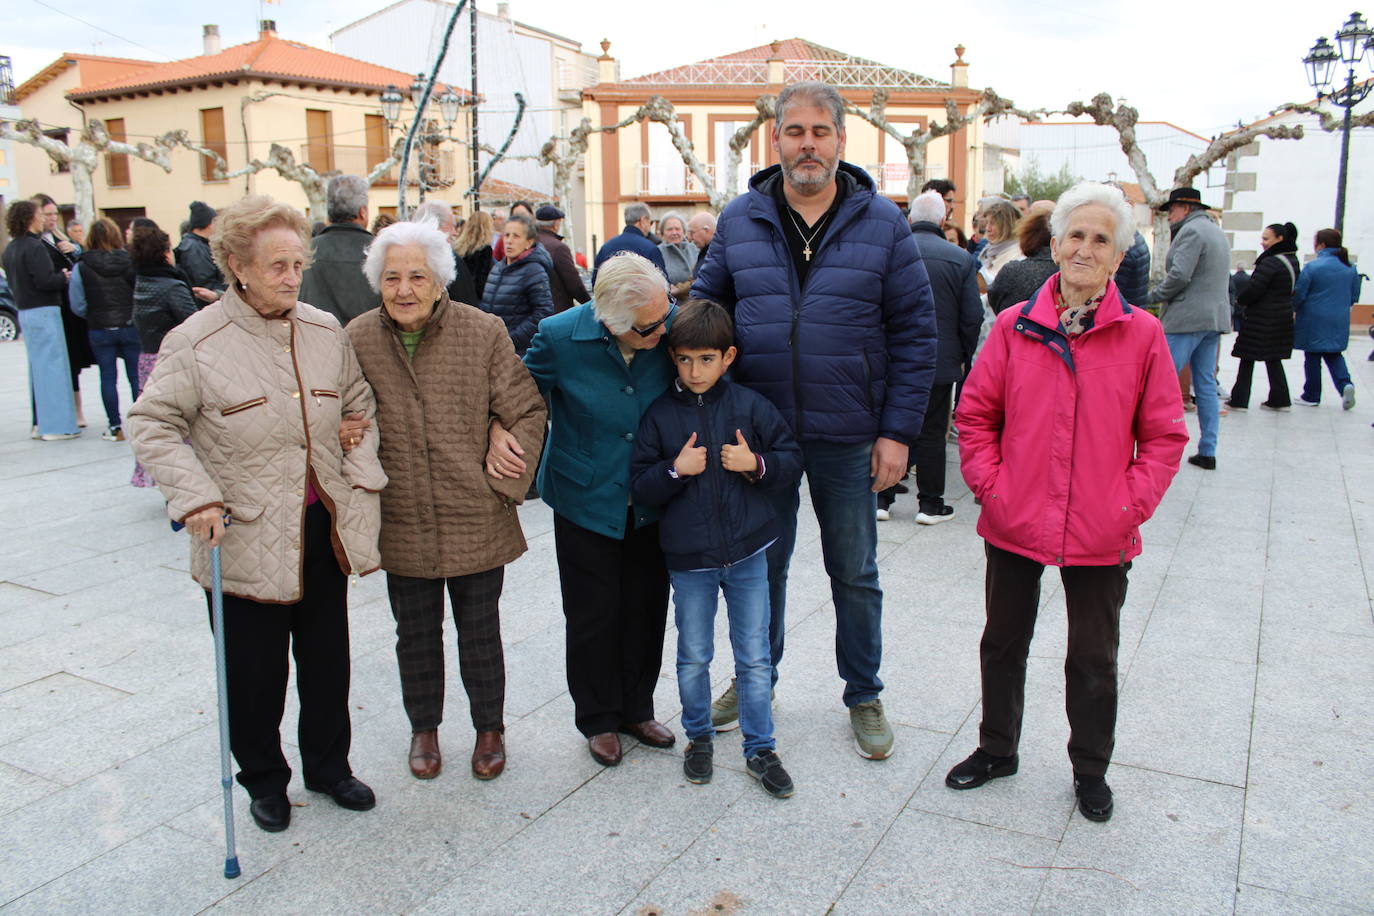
(442, 515)
(260, 401)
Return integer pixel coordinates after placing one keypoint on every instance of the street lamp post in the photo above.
(450, 104)
(1354, 45)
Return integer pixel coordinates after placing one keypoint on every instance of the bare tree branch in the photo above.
(1327, 119)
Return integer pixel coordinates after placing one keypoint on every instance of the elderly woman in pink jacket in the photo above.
(1070, 430)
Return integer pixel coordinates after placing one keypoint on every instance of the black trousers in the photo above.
(418, 606)
(1094, 596)
(1278, 384)
(928, 454)
(615, 601)
(257, 638)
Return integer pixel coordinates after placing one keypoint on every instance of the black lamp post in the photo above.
(1354, 45)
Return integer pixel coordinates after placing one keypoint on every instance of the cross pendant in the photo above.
(807, 252)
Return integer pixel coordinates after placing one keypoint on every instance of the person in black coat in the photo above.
(517, 289)
(1019, 280)
(634, 237)
(1266, 306)
(101, 291)
(953, 276)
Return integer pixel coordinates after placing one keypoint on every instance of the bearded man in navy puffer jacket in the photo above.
(835, 325)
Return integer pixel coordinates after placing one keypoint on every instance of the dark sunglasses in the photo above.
(645, 332)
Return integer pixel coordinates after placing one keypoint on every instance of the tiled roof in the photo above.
(495, 190)
(269, 57)
(93, 69)
(844, 69)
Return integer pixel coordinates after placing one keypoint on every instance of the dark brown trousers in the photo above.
(1094, 596)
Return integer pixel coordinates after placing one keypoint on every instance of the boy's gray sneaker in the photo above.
(697, 761)
(725, 710)
(872, 734)
(767, 769)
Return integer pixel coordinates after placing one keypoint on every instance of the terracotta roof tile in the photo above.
(93, 69)
(269, 56)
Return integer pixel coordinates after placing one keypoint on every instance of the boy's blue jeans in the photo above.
(746, 600)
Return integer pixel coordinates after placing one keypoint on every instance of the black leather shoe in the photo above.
(348, 793)
(979, 768)
(1206, 462)
(1094, 797)
(272, 813)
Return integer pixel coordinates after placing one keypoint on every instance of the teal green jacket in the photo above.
(595, 402)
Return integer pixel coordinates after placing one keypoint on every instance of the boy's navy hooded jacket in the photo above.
(717, 517)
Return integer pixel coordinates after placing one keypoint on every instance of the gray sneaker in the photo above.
(872, 734)
(725, 710)
(1347, 397)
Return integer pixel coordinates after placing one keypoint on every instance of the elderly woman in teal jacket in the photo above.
(601, 365)
(1326, 289)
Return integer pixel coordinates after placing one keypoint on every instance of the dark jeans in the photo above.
(1094, 596)
(841, 494)
(1312, 374)
(110, 345)
(315, 630)
(1278, 384)
(929, 454)
(615, 602)
(418, 606)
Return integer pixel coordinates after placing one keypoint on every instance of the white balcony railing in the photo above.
(842, 73)
(670, 178)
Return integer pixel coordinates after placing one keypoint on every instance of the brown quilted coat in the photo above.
(442, 514)
(260, 401)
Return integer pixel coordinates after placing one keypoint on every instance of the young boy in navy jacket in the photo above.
(706, 451)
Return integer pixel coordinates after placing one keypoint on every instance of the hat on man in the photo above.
(202, 214)
(1184, 196)
(548, 213)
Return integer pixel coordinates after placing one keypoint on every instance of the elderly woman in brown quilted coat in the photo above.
(240, 422)
(443, 372)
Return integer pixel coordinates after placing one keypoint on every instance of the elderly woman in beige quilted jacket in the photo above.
(442, 372)
(239, 424)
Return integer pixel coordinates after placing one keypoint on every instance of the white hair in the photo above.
(423, 234)
(624, 283)
(928, 207)
(1088, 193)
(436, 210)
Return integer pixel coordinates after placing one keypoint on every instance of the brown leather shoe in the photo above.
(489, 756)
(425, 759)
(605, 748)
(650, 732)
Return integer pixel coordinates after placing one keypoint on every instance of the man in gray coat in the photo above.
(334, 281)
(1195, 307)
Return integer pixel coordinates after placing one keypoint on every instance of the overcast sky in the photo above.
(1203, 66)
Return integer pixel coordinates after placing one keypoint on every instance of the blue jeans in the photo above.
(50, 375)
(1198, 349)
(845, 505)
(746, 601)
(1312, 374)
(110, 345)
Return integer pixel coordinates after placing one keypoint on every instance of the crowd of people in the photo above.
(325, 404)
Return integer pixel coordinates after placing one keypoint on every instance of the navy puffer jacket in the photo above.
(717, 517)
(519, 295)
(850, 357)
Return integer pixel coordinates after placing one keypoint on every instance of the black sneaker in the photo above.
(696, 762)
(979, 768)
(767, 769)
(1094, 797)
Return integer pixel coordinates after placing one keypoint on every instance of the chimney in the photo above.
(211, 40)
(608, 68)
(268, 29)
(777, 72)
(503, 10)
(958, 71)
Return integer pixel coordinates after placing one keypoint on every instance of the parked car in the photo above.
(9, 315)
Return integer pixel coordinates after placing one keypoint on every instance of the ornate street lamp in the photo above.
(417, 90)
(1353, 46)
(391, 105)
(449, 103)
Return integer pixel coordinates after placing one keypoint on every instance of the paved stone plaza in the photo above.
(1242, 772)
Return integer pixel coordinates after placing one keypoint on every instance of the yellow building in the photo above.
(715, 97)
(323, 107)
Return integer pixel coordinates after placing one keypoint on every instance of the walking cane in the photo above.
(231, 859)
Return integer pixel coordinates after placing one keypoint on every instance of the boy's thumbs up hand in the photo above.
(691, 461)
(738, 457)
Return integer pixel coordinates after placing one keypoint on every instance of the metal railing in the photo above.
(675, 178)
(708, 72)
(6, 81)
(891, 177)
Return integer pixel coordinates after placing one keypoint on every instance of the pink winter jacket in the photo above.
(1069, 444)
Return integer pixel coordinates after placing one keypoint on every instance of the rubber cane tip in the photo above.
(231, 867)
